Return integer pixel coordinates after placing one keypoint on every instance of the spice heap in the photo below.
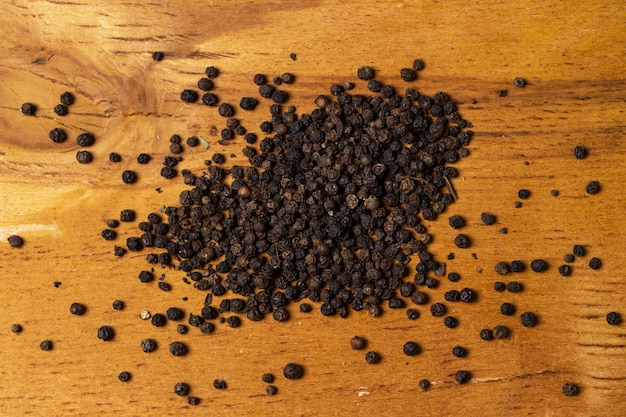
(328, 210)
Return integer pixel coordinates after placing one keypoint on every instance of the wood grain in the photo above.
(571, 54)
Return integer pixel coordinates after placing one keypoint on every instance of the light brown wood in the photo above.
(572, 56)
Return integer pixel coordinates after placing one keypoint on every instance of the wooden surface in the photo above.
(572, 56)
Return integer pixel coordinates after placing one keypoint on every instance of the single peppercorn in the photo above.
(613, 318)
(424, 384)
(267, 378)
(305, 308)
(486, 334)
(487, 218)
(226, 110)
(182, 329)
(119, 251)
(538, 265)
(593, 187)
(570, 389)
(115, 157)
(517, 266)
(408, 74)
(85, 139)
(293, 371)
(211, 72)
(461, 377)
(462, 241)
(84, 157)
(503, 93)
(565, 270)
(105, 333)
(554, 193)
(118, 305)
(205, 84)
(28, 109)
(148, 345)
(129, 177)
(467, 295)
(178, 349)
(454, 277)
(248, 103)
(450, 322)
(207, 328)
(456, 221)
(143, 158)
(411, 349)
(437, 309)
(209, 99)
(502, 268)
(500, 332)
(127, 215)
(259, 79)
(528, 319)
(280, 96)
(112, 223)
(580, 152)
(146, 276)
(57, 135)
(418, 65)
(568, 257)
(271, 390)
(45, 345)
(372, 357)
(365, 73)
(507, 309)
(579, 251)
(519, 82)
(358, 343)
(16, 328)
(15, 241)
(189, 96)
(514, 286)
(412, 314)
(60, 110)
(78, 309)
(523, 194)
(159, 320)
(499, 286)
(288, 78)
(459, 351)
(67, 98)
(219, 384)
(108, 234)
(181, 388)
(158, 56)
(595, 263)
(124, 376)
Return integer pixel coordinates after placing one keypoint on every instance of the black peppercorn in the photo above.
(569, 258)
(500, 332)
(595, 263)
(119, 251)
(178, 349)
(570, 389)
(580, 152)
(503, 93)
(456, 221)
(127, 215)
(67, 98)
(507, 309)
(108, 234)
(502, 268)
(207, 328)
(565, 270)
(112, 223)
(372, 357)
(467, 295)
(205, 84)
(461, 377)
(124, 376)
(115, 157)
(293, 371)
(437, 309)
(189, 96)
(305, 308)
(408, 74)
(450, 322)
(454, 277)
(280, 96)
(28, 109)
(129, 177)
(519, 82)
(517, 266)
(288, 78)
(146, 276)
(118, 305)
(158, 56)
(418, 65)
(182, 329)
(358, 343)
(78, 309)
(15, 241)
(613, 318)
(85, 139)
(579, 251)
(84, 157)
(143, 158)
(365, 73)
(462, 241)
(219, 384)
(459, 351)
(523, 194)
(211, 72)
(60, 110)
(57, 135)
(486, 334)
(259, 79)
(209, 99)
(267, 378)
(499, 286)
(45, 345)
(538, 265)
(193, 400)
(424, 384)
(487, 219)
(159, 320)
(248, 103)
(528, 319)
(271, 390)
(226, 110)
(105, 333)
(593, 187)
(149, 345)
(514, 286)
(411, 349)
(412, 314)
(181, 389)
(16, 328)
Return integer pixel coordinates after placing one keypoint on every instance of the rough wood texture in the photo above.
(573, 59)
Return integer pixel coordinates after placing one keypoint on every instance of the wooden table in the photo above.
(572, 56)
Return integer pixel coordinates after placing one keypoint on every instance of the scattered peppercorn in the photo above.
(408, 74)
(16, 328)
(129, 177)
(219, 384)
(372, 357)
(437, 309)
(411, 349)
(28, 109)
(158, 56)
(579, 251)
(67, 98)
(570, 389)
(502, 268)
(523, 194)
(115, 157)
(487, 219)
(593, 187)
(503, 93)
(105, 333)
(57, 135)
(519, 82)
(538, 265)
(456, 221)
(211, 72)
(461, 377)
(450, 322)
(514, 286)
(507, 309)
(149, 345)
(45, 345)
(595, 263)
(189, 96)
(118, 305)
(78, 309)
(178, 349)
(60, 110)
(84, 157)
(613, 318)
(486, 334)
(271, 390)
(565, 270)
(15, 241)
(124, 376)
(499, 286)
(462, 241)
(459, 351)
(528, 319)
(424, 384)
(580, 152)
(193, 400)
(569, 258)
(500, 332)
(293, 371)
